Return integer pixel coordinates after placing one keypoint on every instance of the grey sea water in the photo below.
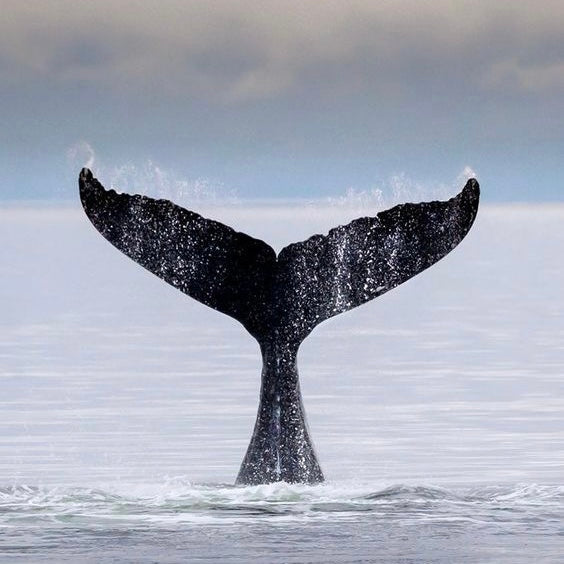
(437, 410)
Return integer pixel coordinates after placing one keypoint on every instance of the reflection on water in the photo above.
(125, 406)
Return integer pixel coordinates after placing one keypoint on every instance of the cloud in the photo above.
(286, 97)
(236, 51)
(513, 75)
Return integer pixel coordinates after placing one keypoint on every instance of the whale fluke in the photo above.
(212, 263)
(355, 263)
(279, 299)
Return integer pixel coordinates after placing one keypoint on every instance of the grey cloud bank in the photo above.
(286, 98)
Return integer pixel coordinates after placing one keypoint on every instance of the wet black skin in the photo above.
(279, 299)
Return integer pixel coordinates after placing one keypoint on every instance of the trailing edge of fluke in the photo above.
(280, 298)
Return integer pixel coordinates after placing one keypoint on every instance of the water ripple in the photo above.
(177, 501)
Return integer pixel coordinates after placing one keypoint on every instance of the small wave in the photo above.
(180, 501)
(413, 492)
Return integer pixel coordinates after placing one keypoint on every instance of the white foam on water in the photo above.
(180, 501)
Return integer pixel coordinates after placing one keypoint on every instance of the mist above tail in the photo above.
(279, 299)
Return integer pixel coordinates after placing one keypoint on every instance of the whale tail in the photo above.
(279, 299)
(307, 283)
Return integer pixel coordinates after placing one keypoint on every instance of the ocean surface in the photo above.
(437, 410)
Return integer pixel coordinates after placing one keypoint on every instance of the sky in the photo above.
(283, 99)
